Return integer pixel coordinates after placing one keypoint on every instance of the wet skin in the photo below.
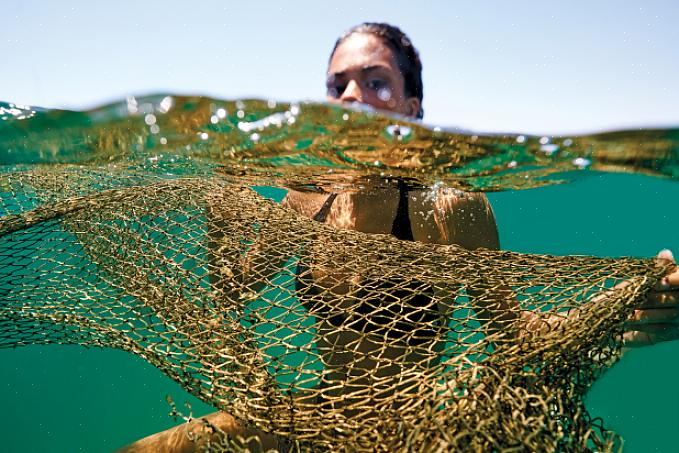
(363, 69)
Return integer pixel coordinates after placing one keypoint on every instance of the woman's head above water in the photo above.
(376, 64)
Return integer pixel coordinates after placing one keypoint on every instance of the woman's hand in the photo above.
(657, 319)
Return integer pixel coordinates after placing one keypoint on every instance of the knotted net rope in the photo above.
(332, 340)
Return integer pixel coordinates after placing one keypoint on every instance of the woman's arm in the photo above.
(241, 259)
(196, 434)
(450, 216)
(468, 220)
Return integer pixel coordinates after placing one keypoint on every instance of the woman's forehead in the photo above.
(361, 50)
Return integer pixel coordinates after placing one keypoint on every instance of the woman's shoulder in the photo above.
(455, 199)
(307, 203)
(452, 216)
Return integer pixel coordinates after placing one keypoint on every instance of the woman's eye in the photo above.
(334, 91)
(376, 84)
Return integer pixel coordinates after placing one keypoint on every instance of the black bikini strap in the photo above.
(401, 228)
(322, 213)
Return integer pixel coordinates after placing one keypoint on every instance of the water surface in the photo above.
(609, 194)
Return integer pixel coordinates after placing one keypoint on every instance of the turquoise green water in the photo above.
(67, 398)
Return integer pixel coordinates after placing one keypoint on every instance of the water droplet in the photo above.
(544, 140)
(294, 109)
(581, 162)
(131, 105)
(254, 137)
(549, 148)
(221, 113)
(165, 105)
(163, 141)
(398, 131)
(384, 94)
(240, 114)
(521, 139)
(512, 164)
(203, 136)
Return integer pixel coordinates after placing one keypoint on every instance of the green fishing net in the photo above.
(154, 240)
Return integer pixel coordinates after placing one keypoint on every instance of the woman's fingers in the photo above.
(673, 279)
(655, 315)
(661, 299)
(657, 319)
(666, 258)
(650, 336)
(668, 282)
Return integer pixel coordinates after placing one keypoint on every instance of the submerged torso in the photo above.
(373, 328)
(389, 308)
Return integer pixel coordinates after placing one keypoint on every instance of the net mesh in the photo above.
(330, 339)
(135, 226)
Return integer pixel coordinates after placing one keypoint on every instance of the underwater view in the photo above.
(122, 227)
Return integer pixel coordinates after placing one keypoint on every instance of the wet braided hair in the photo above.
(407, 57)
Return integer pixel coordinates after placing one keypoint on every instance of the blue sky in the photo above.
(523, 66)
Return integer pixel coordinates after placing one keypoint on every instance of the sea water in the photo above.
(68, 398)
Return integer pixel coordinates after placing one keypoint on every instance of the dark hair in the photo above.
(407, 57)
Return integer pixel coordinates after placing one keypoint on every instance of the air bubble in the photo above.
(549, 148)
(165, 105)
(581, 162)
(384, 94)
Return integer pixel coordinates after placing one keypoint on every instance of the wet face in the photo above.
(364, 69)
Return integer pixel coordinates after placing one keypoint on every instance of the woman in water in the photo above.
(377, 65)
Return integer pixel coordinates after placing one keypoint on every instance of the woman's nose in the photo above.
(352, 93)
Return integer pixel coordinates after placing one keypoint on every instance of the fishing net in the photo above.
(328, 339)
